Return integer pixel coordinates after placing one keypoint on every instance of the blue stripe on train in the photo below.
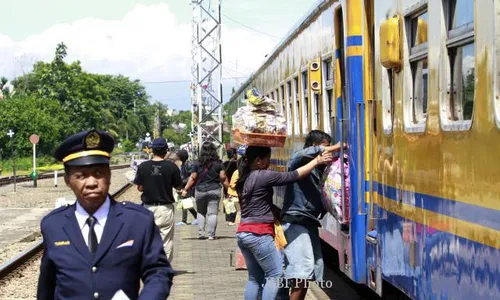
(445, 266)
(468, 212)
(354, 40)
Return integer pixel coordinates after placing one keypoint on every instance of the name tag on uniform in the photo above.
(61, 243)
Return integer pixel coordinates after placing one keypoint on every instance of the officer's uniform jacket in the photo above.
(130, 249)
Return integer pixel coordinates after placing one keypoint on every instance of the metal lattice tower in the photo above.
(206, 95)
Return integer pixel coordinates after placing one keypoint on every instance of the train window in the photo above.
(272, 96)
(305, 106)
(415, 106)
(278, 101)
(458, 110)
(282, 99)
(290, 106)
(296, 106)
(327, 95)
(461, 13)
(496, 54)
(387, 100)
(315, 112)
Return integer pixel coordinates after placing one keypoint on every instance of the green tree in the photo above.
(27, 116)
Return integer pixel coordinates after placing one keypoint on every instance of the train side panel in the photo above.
(435, 184)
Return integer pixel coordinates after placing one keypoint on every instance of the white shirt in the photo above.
(100, 215)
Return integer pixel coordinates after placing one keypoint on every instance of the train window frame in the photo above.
(496, 66)
(415, 107)
(282, 98)
(455, 41)
(328, 99)
(289, 99)
(304, 88)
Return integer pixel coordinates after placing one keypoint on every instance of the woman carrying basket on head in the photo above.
(255, 234)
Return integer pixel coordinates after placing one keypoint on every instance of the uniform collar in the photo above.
(100, 215)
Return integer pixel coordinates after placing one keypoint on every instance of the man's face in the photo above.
(90, 184)
(324, 143)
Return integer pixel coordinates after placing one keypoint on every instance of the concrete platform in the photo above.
(204, 267)
(18, 223)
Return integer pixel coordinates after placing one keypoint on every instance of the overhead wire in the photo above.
(250, 28)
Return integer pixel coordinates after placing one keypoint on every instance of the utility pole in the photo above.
(206, 96)
(11, 135)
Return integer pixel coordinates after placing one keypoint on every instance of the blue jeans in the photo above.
(264, 265)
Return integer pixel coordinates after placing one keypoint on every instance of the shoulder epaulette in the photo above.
(56, 211)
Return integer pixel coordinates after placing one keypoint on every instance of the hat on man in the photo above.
(241, 150)
(86, 148)
(159, 143)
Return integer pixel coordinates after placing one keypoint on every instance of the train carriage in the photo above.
(414, 88)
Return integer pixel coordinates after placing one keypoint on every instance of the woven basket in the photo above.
(259, 139)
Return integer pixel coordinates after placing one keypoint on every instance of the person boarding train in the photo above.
(99, 247)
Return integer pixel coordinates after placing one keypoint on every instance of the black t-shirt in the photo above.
(207, 176)
(158, 178)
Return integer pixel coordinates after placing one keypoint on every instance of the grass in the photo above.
(24, 165)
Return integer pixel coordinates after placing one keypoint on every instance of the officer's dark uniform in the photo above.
(130, 249)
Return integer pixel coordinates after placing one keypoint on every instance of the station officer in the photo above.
(99, 248)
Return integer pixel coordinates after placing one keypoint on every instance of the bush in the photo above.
(128, 146)
(44, 163)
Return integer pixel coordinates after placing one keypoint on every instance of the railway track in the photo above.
(45, 175)
(24, 257)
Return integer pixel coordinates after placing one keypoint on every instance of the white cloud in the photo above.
(147, 43)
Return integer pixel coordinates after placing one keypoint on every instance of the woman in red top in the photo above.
(255, 234)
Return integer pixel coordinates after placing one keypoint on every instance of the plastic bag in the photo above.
(279, 236)
(331, 190)
(187, 203)
(229, 206)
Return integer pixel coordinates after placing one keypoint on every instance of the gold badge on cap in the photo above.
(92, 140)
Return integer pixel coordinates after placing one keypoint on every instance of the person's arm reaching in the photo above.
(319, 160)
(273, 178)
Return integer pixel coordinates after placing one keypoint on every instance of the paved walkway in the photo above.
(205, 269)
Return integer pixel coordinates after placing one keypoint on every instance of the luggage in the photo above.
(331, 189)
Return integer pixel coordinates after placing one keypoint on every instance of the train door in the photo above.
(350, 130)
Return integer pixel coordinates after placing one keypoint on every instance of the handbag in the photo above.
(279, 235)
(187, 203)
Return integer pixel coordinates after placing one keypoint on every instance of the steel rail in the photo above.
(45, 175)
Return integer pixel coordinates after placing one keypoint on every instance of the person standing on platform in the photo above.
(186, 168)
(98, 247)
(156, 179)
(302, 209)
(255, 234)
(230, 166)
(207, 177)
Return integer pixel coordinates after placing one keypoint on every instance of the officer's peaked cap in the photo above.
(86, 148)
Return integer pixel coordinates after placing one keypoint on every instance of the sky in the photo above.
(148, 40)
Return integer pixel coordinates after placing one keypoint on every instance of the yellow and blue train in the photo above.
(413, 86)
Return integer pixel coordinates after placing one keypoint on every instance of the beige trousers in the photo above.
(165, 219)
